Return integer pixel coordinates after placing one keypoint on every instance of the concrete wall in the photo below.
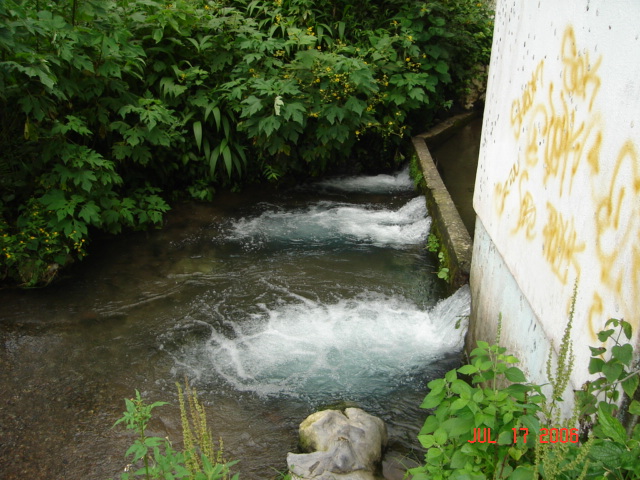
(557, 192)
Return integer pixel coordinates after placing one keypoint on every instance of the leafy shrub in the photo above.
(499, 400)
(106, 107)
(156, 458)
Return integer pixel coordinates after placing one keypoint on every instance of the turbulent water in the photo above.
(271, 308)
(356, 348)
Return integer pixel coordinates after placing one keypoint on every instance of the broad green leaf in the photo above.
(437, 385)
(514, 374)
(442, 67)
(427, 441)
(430, 425)
(461, 425)
(334, 112)
(468, 369)
(269, 125)
(216, 116)
(440, 436)
(478, 396)
(432, 400)
(623, 353)
(627, 329)
(611, 427)
(433, 454)
(197, 132)
(607, 452)
(522, 473)
(612, 371)
(356, 105)
(294, 111)
(506, 437)
(460, 459)
(450, 376)
(605, 334)
(595, 365)
(252, 105)
(461, 388)
(634, 407)
(226, 154)
(90, 213)
(466, 475)
(630, 385)
(459, 404)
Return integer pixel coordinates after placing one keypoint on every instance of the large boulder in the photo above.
(344, 446)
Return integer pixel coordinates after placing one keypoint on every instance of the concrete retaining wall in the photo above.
(557, 192)
(447, 224)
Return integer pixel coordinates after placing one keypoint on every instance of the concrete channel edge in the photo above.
(447, 224)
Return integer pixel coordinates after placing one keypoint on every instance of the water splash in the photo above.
(325, 222)
(400, 182)
(353, 348)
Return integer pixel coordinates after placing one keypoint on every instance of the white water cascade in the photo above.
(298, 334)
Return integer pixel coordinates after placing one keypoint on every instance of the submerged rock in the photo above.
(343, 446)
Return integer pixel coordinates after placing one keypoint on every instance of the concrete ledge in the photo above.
(447, 224)
(439, 134)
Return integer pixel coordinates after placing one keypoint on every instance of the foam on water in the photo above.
(324, 222)
(352, 348)
(400, 182)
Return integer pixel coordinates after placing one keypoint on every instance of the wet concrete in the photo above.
(448, 158)
(457, 161)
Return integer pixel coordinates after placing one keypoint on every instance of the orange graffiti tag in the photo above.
(561, 244)
(520, 107)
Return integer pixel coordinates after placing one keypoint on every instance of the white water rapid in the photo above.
(284, 328)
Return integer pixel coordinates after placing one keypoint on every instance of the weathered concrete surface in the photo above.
(447, 224)
(557, 190)
(443, 131)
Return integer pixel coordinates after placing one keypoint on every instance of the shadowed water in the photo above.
(272, 304)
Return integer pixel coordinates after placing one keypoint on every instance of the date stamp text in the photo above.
(547, 435)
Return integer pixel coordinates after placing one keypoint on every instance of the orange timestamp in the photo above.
(547, 435)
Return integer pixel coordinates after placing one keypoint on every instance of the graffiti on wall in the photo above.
(559, 133)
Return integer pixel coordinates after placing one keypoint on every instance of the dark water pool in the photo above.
(272, 305)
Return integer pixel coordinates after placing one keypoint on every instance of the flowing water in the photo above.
(271, 304)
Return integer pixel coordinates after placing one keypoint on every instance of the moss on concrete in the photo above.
(446, 222)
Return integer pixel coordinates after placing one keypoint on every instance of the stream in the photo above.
(272, 304)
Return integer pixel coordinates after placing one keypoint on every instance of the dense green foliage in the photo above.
(490, 394)
(107, 107)
(156, 458)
